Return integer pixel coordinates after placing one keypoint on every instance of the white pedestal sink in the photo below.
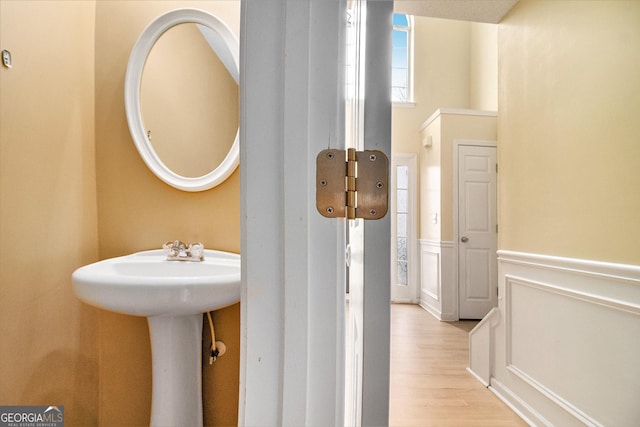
(172, 295)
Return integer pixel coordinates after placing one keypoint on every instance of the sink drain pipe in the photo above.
(218, 348)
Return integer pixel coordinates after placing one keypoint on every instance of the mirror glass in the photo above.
(181, 99)
(189, 101)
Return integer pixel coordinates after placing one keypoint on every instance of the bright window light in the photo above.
(401, 59)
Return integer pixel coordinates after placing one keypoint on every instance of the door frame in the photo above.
(293, 259)
(291, 256)
(456, 234)
(377, 234)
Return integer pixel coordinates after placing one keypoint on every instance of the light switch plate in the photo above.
(6, 58)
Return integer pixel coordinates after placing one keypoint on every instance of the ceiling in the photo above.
(489, 11)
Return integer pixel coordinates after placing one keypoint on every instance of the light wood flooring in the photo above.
(430, 385)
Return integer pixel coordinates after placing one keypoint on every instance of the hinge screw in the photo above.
(329, 210)
(330, 155)
(323, 182)
(372, 157)
(372, 212)
(379, 184)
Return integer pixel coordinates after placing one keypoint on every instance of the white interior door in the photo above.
(368, 127)
(477, 231)
(293, 263)
(293, 259)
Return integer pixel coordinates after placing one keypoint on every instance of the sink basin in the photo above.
(172, 295)
(146, 284)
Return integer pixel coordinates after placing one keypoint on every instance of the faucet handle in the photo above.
(178, 245)
(179, 251)
(196, 250)
(173, 249)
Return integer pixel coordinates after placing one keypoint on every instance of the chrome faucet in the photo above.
(178, 251)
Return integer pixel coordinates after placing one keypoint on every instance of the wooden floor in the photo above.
(429, 382)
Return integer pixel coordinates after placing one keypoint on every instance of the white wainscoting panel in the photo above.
(566, 349)
(438, 295)
(481, 347)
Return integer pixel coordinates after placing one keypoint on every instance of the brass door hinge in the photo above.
(352, 184)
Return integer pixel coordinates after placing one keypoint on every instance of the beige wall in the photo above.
(483, 51)
(431, 182)
(436, 178)
(441, 77)
(455, 66)
(137, 211)
(48, 226)
(569, 150)
(74, 190)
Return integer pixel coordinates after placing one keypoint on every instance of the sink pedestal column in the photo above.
(176, 343)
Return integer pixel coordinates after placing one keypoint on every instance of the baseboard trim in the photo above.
(431, 310)
(477, 377)
(517, 405)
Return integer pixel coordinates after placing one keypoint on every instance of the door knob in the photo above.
(464, 239)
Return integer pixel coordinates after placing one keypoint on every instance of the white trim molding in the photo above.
(438, 295)
(455, 111)
(481, 343)
(565, 348)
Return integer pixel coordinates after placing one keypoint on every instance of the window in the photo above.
(401, 75)
(404, 287)
(401, 211)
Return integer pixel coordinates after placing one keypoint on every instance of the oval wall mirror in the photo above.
(181, 99)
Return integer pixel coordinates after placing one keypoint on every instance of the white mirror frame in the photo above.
(132, 83)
